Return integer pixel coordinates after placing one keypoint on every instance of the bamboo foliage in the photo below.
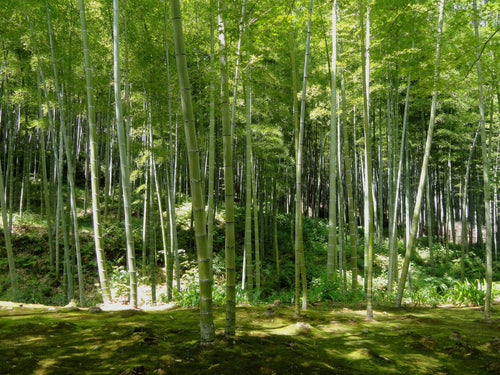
(307, 167)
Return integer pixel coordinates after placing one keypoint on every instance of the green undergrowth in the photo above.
(325, 340)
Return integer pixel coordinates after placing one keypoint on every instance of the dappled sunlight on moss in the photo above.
(323, 340)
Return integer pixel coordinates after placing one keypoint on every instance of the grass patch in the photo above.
(37, 339)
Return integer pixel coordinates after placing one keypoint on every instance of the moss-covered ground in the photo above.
(36, 339)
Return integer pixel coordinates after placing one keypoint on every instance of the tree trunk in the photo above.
(299, 243)
(393, 253)
(211, 141)
(248, 269)
(423, 173)
(228, 181)
(365, 63)
(332, 205)
(124, 159)
(69, 164)
(7, 236)
(207, 332)
(94, 164)
(486, 174)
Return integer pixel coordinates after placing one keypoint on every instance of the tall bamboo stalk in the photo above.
(207, 331)
(69, 164)
(332, 205)
(299, 242)
(486, 173)
(228, 179)
(94, 163)
(124, 158)
(425, 162)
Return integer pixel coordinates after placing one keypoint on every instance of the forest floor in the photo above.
(38, 339)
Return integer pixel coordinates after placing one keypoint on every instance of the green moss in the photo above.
(337, 340)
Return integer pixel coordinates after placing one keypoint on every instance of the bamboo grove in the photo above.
(382, 116)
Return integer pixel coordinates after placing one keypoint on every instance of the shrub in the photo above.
(426, 296)
(324, 290)
(467, 293)
(119, 281)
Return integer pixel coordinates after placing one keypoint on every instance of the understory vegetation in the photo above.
(430, 284)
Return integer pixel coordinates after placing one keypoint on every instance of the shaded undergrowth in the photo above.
(326, 340)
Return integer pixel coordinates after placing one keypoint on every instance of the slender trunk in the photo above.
(211, 141)
(299, 242)
(465, 187)
(256, 224)
(248, 269)
(393, 254)
(275, 230)
(341, 200)
(10, 164)
(380, 198)
(45, 183)
(146, 219)
(94, 164)
(237, 64)
(67, 270)
(423, 174)
(124, 159)
(169, 267)
(151, 230)
(430, 219)
(365, 60)
(486, 174)
(228, 181)
(390, 186)
(171, 166)
(69, 164)
(7, 236)
(332, 205)
(207, 331)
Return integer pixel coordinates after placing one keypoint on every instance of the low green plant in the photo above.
(425, 296)
(286, 296)
(189, 296)
(323, 290)
(467, 293)
(119, 281)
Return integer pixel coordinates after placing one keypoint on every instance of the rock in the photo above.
(69, 309)
(72, 303)
(269, 312)
(95, 309)
(303, 327)
(455, 336)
